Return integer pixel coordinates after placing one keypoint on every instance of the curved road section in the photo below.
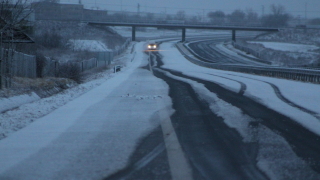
(208, 51)
(239, 123)
(164, 117)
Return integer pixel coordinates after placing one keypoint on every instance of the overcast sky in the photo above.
(294, 7)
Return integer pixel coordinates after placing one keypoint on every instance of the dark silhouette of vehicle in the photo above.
(152, 46)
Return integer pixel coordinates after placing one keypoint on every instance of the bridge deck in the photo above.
(181, 26)
(184, 27)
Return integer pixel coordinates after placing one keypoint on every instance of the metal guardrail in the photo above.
(306, 75)
(164, 22)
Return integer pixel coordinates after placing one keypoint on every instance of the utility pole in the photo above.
(138, 9)
(262, 10)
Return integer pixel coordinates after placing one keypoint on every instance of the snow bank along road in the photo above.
(171, 119)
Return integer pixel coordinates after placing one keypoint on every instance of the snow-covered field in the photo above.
(293, 35)
(285, 53)
(287, 46)
(87, 45)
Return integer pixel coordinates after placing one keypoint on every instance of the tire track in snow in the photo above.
(207, 141)
(279, 94)
(243, 87)
(213, 157)
(305, 145)
(303, 141)
(276, 90)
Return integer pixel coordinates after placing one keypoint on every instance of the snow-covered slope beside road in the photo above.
(87, 45)
(16, 101)
(286, 46)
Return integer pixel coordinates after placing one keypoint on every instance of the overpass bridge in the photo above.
(183, 27)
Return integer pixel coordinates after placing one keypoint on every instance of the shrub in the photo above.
(50, 39)
(279, 20)
(71, 71)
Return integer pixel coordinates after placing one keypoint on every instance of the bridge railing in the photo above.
(159, 22)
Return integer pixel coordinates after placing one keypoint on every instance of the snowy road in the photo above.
(93, 135)
(171, 119)
(237, 126)
(208, 51)
(278, 121)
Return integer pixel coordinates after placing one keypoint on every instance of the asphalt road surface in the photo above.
(213, 149)
(208, 52)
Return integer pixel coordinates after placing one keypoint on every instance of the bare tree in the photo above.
(194, 19)
(55, 1)
(150, 16)
(315, 21)
(251, 17)
(118, 16)
(217, 17)
(13, 15)
(181, 15)
(237, 17)
(278, 18)
(169, 17)
(277, 9)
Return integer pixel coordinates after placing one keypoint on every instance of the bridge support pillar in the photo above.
(133, 38)
(183, 35)
(234, 35)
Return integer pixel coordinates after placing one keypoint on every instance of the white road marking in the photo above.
(179, 165)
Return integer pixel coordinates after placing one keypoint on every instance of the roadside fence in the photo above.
(20, 64)
(102, 59)
(24, 65)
